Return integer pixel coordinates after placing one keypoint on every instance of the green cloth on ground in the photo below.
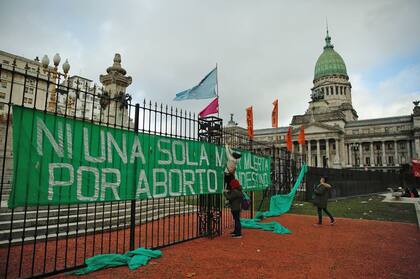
(270, 226)
(279, 204)
(133, 259)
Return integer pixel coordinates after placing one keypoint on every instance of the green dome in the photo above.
(329, 62)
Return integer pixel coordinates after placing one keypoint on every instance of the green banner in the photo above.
(59, 160)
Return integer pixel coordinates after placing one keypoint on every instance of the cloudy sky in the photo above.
(265, 49)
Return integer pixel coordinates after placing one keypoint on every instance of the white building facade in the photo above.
(335, 137)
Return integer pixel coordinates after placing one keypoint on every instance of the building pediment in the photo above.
(320, 128)
(321, 117)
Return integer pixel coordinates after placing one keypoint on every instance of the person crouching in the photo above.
(235, 196)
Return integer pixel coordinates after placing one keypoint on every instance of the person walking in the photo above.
(321, 192)
(234, 195)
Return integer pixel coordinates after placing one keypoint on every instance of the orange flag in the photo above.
(250, 122)
(275, 114)
(301, 138)
(289, 140)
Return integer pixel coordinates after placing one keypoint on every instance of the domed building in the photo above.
(335, 138)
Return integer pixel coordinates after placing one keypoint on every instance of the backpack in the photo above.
(246, 201)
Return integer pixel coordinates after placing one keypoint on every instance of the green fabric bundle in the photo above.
(133, 259)
(279, 204)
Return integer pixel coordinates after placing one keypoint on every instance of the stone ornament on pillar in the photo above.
(114, 100)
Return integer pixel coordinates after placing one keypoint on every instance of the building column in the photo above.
(350, 151)
(341, 153)
(372, 158)
(383, 154)
(318, 154)
(293, 151)
(361, 163)
(416, 153)
(327, 153)
(408, 151)
(309, 154)
(396, 161)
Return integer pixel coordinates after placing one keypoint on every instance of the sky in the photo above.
(265, 50)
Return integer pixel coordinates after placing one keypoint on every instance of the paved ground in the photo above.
(349, 249)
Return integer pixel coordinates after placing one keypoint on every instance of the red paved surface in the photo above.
(46, 257)
(349, 249)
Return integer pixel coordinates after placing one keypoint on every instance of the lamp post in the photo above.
(53, 77)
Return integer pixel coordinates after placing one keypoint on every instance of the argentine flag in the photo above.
(206, 89)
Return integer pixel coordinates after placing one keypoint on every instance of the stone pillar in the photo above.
(340, 152)
(115, 83)
(416, 153)
(309, 154)
(383, 154)
(327, 153)
(342, 156)
(408, 152)
(318, 154)
(396, 161)
(350, 151)
(372, 158)
(361, 154)
(292, 156)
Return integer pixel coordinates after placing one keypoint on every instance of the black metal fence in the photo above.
(45, 240)
(352, 182)
(285, 167)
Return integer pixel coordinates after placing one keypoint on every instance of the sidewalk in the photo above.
(414, 201)
(349, 249)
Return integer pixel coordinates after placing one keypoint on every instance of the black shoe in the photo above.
(236, 236)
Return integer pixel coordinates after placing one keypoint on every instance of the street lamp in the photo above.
(53, 77)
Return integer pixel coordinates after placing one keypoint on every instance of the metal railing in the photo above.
(45, 240)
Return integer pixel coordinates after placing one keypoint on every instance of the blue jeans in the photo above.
(236, 217)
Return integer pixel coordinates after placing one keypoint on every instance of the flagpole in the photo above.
(217, 91)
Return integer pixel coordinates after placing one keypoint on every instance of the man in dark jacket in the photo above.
(235, 196)
(321, 199)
